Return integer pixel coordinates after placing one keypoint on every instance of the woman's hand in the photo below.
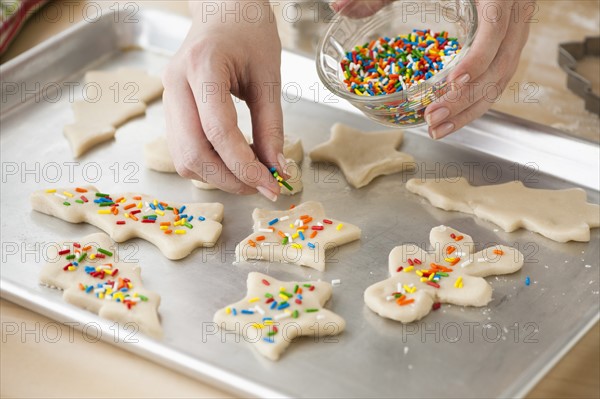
(227, 53)
(485, 71)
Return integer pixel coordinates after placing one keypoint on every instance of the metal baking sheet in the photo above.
(500, 350)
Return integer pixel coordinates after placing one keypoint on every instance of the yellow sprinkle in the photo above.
(178, 223)
(109, 291)
(284, 297)
(458, 283)
(281, 288)
(258, 325)
(420, 273)
(71, 268)
(164, 227)
(155, 203)
(339, 226)
(108, 271)
(50, 190)
(295, 235)
(127, 215)
(291, 225)
(123, 200)
(268, 322)
(228, 310)
(68, 194)
(450, 260)
(408, 269)
(358, 92)
(93, 256)
(431, 276)
(136, 295)
(140, 205)
(180, 231)
(104, 211)
(101, 295)
(161, 213)
(423, 279)
(255, 299)
(288, 311)
(296, 245)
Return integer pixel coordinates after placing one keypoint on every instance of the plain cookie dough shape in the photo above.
(275, 312)
(158, 158)
(362, 156)
(409, 294)
(121, 96)
(561, 215)
(126, 220)
(276, 236)
(105, 273)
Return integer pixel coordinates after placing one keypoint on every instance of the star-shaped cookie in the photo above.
(362, 156)
(452, 273)
(113, 97)
(93, 276)
(275, 312)
(176, 229)
(300, 235)
(561, 215)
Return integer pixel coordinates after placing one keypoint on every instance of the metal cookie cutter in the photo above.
(568, 55)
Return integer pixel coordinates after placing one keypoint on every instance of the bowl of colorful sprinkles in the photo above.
(391, 65)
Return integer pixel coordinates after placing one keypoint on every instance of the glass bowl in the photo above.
(405, 108)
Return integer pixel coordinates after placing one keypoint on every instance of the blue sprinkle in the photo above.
(201, 218)
(182, 209)
(190, 218)
(162, 208)
(272, 222)
(527, 281)
(184, 216)
(274, 305)
(311, 245)
(301, 235)
(89, 288)
(152, 206)
(283, 305)
(267, 318)
(299, 296)
(273, 169)
(234, 312)
(269, 340)
(245, 311)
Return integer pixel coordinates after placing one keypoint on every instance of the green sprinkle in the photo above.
(79, 201)
(107, 203)
(143, 298)
(69, 257)
(442, 274)
(295, 314)
(286, 185)
(312, 310)
(284, 241)
(149, 217)
(296, 288)
(287, 294)
(267, 295)
(66, 203)
(189, 226)
(105, 252)
(306, 285)
(82, 257)
(271, 333)
(101, 195)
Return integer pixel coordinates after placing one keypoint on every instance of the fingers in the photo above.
(358, 8)
(211, 90)
(447, 114)
(192, 153)
(267, 124)
(494, 18)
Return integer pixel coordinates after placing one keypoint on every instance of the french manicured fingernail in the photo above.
(282, 164)
(270, 195)
(464, 78)
(442, 130)
(435, 117)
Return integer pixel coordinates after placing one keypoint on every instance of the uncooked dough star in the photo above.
(275, 312)
(300, 235)
(362, 156)
(451, 273)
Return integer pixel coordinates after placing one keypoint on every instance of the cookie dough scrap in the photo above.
(157, 157)
(275, 312)
(420, 280)
(176, 229)
(121, 95)
(93, 277)
(560, 215)
(362, 156)
(300, 235)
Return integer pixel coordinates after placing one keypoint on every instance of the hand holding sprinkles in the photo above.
(299, 235)
(420, 281)
(386, 66)
(93, 278)
(275, 312)
(175, 229)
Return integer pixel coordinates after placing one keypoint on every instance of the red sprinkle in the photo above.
(399, 269)
(436, 306)
(298, 301)
(327, 221)
(101, 256)
(135, 212)
(64, 252)
(120, 222)
(148, 221)
(77, 245)
(265, 282)
(115, 272)
(83, 198)
(317, 227)
(410, 262)
(269, 300)
(431, 283)
(452, 235)
(312, 288)
(417, 261)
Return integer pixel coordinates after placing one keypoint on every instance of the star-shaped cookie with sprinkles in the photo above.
(362, 156)
(275, 312)
(420, 280)
(300, 235)
(176, 229)
(94, 277)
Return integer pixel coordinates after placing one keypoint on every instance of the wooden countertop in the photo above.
(71, 367)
